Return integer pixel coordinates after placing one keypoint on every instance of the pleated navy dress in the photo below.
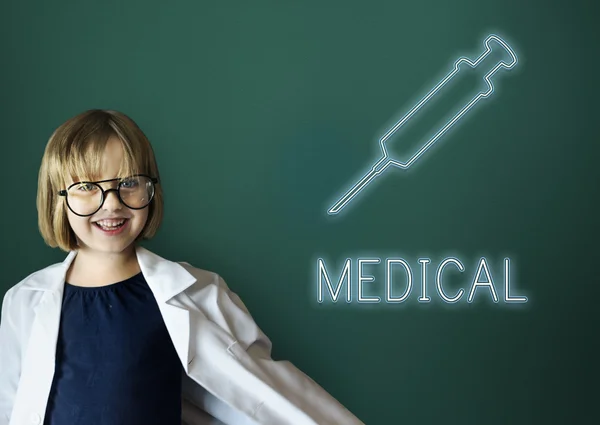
(115, 361)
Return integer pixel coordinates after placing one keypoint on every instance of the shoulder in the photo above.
(204, 277)
(178, 270)
(20, 300)
(213, 297)
(35, 282)
(211, 289)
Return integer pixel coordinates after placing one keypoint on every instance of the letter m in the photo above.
(345, 276)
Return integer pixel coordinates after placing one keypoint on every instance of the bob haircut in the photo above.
(75, 150)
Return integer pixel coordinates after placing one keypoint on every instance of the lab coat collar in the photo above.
(165, 278)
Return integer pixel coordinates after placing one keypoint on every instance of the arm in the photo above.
(10, 359)
(302, 400)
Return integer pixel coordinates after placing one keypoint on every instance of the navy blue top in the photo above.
(115, 361)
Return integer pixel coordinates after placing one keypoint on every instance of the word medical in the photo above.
(476, 284)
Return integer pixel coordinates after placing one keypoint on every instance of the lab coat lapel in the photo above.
(39, 360)
(166, 280)
(45, 327)
(207, 352)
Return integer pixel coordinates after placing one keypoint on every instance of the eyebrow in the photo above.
(93, 180)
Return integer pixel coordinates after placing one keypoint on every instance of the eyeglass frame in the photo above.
(64, 192)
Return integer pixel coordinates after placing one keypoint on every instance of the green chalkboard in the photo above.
(262, 114)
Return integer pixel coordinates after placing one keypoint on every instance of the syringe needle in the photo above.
(376, 170)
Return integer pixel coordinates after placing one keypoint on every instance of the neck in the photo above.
(102, 268)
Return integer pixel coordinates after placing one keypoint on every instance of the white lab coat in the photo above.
(229, 376)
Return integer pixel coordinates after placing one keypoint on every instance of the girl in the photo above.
(115, 334)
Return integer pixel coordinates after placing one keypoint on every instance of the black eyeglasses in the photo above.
(86, 198)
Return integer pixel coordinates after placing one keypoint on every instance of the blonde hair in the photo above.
(76, 149)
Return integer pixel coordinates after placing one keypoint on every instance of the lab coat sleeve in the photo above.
(10, 358)
(194, 415)
(300, 392)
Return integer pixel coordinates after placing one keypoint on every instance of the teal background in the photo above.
(262, 113)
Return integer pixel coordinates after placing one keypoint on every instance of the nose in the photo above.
(111, 203)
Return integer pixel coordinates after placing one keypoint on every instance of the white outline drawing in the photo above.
(386, 160)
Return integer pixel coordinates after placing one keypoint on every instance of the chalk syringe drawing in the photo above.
(386, 160)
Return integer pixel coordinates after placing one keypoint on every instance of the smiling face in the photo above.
(90, 236)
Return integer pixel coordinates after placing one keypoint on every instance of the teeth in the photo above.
(110, 223)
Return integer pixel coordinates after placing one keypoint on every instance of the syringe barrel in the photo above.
(469, 81)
